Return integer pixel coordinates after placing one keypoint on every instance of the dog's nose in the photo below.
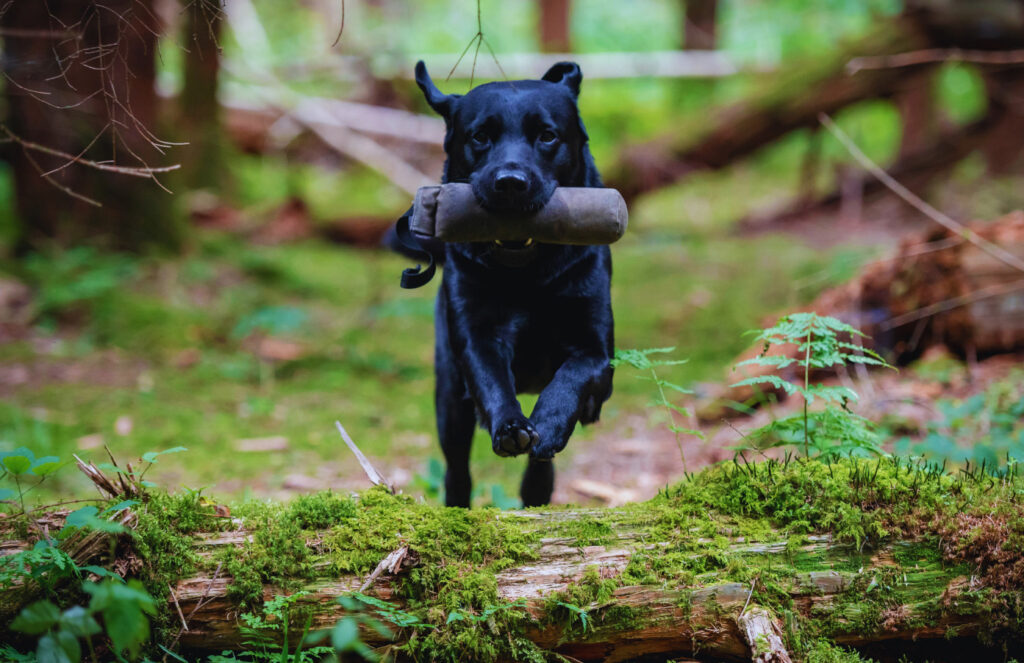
(510, 181)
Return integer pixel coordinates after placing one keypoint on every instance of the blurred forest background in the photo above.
(192, 196)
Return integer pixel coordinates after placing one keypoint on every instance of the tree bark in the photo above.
(700, 25)
(701, 621)
(81, 82)
(198, 107)
(553, 25)
(825, 582)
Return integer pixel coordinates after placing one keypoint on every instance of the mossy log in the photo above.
(702, 619)
(739, 562)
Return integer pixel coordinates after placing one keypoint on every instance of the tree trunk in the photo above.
(553, 25)
(699, 25)
(1003, 148)
(692, 573)
(199, 108)
(916, 102)
(81, 83)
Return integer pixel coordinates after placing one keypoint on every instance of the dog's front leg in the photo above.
(576, 392)
(486, 364)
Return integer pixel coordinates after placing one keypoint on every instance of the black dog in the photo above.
(518, 317)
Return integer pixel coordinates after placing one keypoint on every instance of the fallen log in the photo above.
(936, 290)
(740, 562)
(788, 100)
(915, 170)
(795, 95)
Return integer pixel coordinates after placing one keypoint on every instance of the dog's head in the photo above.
(514, 142)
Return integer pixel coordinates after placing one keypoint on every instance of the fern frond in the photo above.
(773, 380)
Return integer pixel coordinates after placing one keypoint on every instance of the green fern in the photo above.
(835, 429)
(642, 361)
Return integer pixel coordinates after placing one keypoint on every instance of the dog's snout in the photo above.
(510, 181)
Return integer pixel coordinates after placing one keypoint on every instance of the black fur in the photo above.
(525, 318)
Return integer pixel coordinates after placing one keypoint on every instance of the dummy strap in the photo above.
(418, 276)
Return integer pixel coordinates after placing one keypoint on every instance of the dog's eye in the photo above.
(547, 136)
(481, 138)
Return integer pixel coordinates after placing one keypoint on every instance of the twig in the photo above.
(184, 624)
(753, 583)
(27, 33)
(124, 170)
(341, 30)
(950, 304)
(106, 488)
(913, 199)
(392, 564)
(199, 604)
(375, 477)
(932, 55)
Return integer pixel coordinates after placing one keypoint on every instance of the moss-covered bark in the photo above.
(854, 552)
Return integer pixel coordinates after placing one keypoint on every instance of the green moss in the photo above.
(731, 526)
(162, 539)
(823, 651)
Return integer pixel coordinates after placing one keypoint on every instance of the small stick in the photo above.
(933, 55)
(375, 477)
(944, 220)
(749, 594)
(392, 564)
(199, 604)
(184, 624)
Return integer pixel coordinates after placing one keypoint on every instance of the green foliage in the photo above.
(77, 278)
(833, 430)
(276, 617)
(823, 651)
(641, 360)
(985, 431)
(20, 464)
(272, 320)
(125, 609)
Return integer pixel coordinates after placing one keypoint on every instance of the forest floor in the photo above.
(247, 352)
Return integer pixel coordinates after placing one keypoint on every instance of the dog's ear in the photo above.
(567, 74)
(440, 102)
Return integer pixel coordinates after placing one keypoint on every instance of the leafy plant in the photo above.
(641, 360)
(125, 609)
(22, 465)
(986, 429)
(577, 612)
(258, 630)
(117, 609)
(135, 477)
(486, 616)
(344, 635)
(272, 320)
(79, 276)
(835, 429)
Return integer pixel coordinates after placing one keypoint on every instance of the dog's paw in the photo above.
(514, 437)
(591, 411)
(544, 452)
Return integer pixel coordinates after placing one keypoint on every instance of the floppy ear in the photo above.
(567, 74)
(440, 102)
